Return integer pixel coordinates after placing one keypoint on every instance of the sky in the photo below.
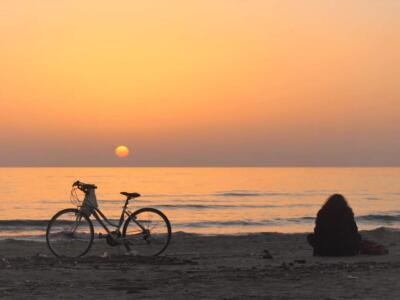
(200, 83)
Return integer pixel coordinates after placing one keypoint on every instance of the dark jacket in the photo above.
(335, 234)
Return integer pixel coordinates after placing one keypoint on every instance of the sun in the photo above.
(122, 151)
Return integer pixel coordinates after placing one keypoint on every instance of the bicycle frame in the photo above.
(103, 220)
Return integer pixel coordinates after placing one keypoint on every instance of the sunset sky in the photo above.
(200, 83)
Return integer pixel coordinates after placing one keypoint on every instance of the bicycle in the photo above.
(70, 232)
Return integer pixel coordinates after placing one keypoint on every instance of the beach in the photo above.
(203, 267)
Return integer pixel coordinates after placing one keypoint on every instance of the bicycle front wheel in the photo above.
(69, 233)
(147, 232)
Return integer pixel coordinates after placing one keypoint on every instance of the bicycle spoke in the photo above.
(155, 236)
(69, 234)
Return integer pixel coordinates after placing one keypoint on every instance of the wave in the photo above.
(42, 224)
(296, 220)
(256, 194)
(223, 223)
(235, 193)
(372, 198)
(24, 223)
(376, 218)
(266, 222)
(36, 224)
(371, 218)
(32, 225)
(215, 206)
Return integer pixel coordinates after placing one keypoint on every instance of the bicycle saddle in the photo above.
(130, 195)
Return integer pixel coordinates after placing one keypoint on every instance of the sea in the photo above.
(208, 201)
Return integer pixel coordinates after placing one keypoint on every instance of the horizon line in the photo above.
(200, 166)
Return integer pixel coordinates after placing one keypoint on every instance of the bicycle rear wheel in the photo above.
(69, 233)
(147, 232)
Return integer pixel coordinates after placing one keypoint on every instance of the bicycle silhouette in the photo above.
(70, 232)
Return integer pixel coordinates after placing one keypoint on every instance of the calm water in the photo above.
(204, 200)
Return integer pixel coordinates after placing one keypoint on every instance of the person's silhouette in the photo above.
(335, 232)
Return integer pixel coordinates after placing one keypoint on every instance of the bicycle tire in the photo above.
(140, 247)
(89, 234)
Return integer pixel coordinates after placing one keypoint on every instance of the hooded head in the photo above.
(336, 205)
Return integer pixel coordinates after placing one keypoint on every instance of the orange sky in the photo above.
(200, 82)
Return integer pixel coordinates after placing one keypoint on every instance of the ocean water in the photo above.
(203, 200)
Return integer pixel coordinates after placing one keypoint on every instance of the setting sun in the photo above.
(122, 151)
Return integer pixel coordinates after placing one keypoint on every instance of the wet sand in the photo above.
(201, 267)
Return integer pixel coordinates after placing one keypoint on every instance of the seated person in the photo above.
(335, 232)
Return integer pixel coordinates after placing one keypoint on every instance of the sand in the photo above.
(201, 267)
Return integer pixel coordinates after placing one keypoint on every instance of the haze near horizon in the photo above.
(208, 83)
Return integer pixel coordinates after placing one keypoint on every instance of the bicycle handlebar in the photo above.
(83, 186)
